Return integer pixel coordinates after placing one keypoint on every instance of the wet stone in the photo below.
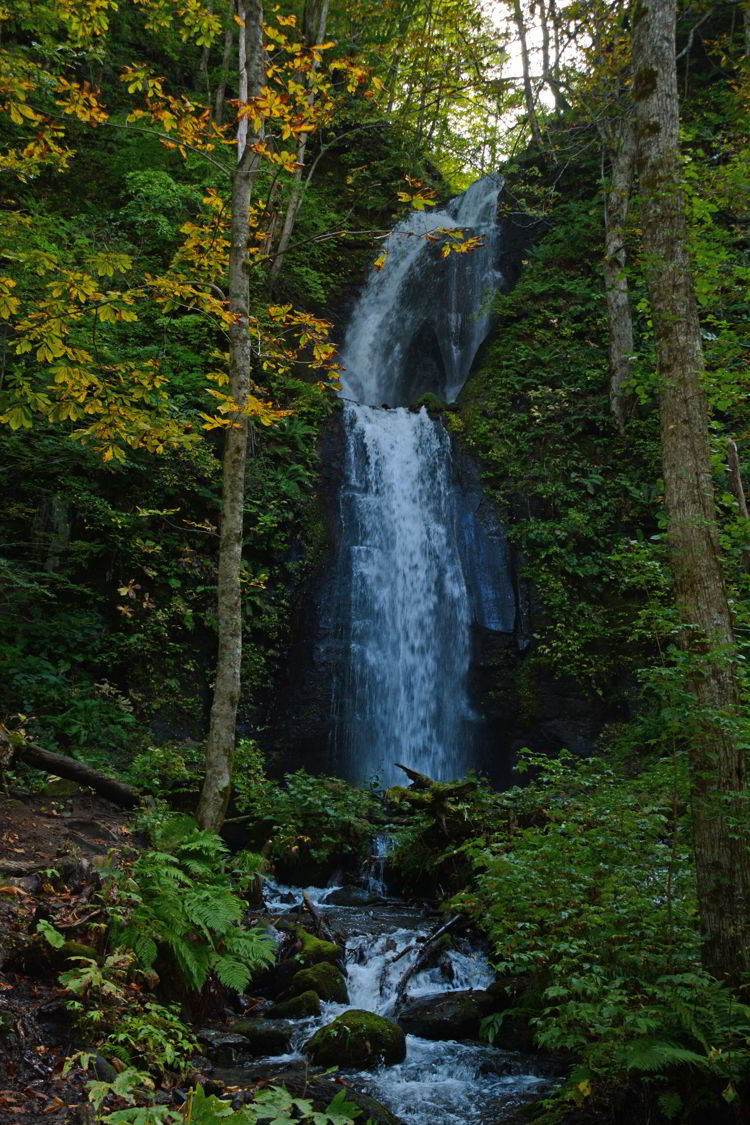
(222, 1046)
(300, 1007)
(263, 1036)
(447, 1015)
(325, 979)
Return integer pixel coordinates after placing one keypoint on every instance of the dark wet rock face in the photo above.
(264, 1036)
(352, 896)
(447, 1015)
(300, 1007)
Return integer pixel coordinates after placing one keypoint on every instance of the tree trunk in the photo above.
(735, 483)
(205, 53)
(214, 796)
(619, 312)
(221, 87)
(527, 88)
(716, 755)
(314, 25)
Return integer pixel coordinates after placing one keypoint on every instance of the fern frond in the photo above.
(253, 947)
(231, 972)
(655, 1055)
(193, 961)
(214, 912)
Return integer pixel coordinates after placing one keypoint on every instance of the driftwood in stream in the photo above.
(423, 958)
(421, 780)
(322, 930)
(117, 791)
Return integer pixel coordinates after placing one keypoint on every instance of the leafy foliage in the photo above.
(109, 1005)
(179, 898)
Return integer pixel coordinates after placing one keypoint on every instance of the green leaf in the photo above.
(50, 934)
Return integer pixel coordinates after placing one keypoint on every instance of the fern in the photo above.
(182, 900)
(231, 972)
(652, 1056)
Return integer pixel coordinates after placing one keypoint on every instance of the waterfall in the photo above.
(403, 607)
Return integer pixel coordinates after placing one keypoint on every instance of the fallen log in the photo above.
(322, 929)
(117, 791)
(422, 961)
(420, 780)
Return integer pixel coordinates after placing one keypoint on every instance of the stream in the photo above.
(446, 1082)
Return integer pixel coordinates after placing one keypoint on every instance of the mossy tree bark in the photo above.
(717, 766)
(214, 796)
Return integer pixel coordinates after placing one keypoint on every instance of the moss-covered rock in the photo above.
(298, 1008)
(432, 402)
(325, 979)
(357, 1039)
(311, 950)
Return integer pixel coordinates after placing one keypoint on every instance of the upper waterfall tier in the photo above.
(420, 320)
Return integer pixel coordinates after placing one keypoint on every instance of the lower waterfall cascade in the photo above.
(440, 1082)
(403, 572)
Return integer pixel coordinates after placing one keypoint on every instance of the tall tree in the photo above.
(528, 90)
(716, 753)
(221, 736)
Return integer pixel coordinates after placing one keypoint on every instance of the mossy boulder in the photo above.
(39, 958)
(310, 950)
(432, 403)
(325, 979)
(315, 949)
(300, 1007)
(357, 1039)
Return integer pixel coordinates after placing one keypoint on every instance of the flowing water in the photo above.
(411, 574)
(403, 603)
(440, 1082)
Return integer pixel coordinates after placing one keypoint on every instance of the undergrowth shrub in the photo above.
(587, 890)
(179, 898)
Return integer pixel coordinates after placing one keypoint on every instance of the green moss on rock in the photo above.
(298, 1008)
(312, 950)
(325, 979)
(357, 1039)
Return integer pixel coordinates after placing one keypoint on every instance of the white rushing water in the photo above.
(446, 1082)
(403, 604)
(421, 296)
(405, 691)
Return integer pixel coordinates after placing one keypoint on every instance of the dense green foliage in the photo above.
(582, 880)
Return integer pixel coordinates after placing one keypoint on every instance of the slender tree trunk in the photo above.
(550, 73)
(619, 312)
(735, 483)
(221, 87)
(716, 753)
(243, 12)
(205, 53)
(315, 18)
(214, 796)
(527, 87)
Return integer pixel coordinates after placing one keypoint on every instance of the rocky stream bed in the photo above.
(402, 1000)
